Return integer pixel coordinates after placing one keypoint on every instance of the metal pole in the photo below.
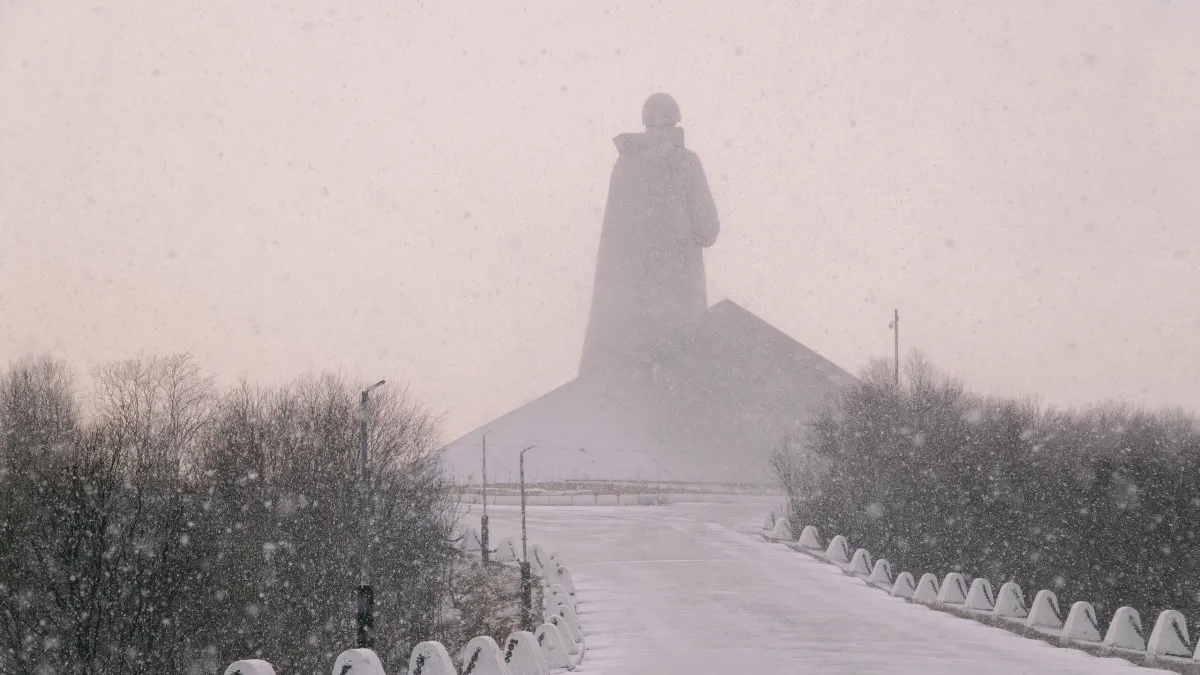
(524, 538)
(526, 572)
(366, 593)
(483, 526)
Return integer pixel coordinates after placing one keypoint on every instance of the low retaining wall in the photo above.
(619, 499)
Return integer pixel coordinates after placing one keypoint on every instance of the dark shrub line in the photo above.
(1100, 504)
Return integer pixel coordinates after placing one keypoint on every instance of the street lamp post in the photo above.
(526, 572)
(483, 522)
(366, 593)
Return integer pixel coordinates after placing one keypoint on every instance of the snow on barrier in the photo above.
(554, 646)
(980, 598)
(954, 590)
(569, 620)
(1168, 646)
(1170, 636)
(576, 645)
(1043, 613)
(557, 595)
(561, 615)
(769, 522)
(250, 667)
(539, 560)
(482, 656)
(780, 532)
(1081, 623)
(881, 576)
(1125, 631)
(562, 577)
(427, 658)
(1010, 602)
(469, 543)
(838, 552)
(810, 539)
(927, 590)
(362, 662)
(506, 552)
(860, 564)
(524, 656)
(904, 587)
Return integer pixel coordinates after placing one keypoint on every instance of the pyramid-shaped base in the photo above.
(706, 405)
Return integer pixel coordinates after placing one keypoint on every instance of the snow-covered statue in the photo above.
(659, 217)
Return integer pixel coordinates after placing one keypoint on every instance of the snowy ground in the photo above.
(691, 589)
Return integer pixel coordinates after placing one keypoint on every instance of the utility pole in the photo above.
(483, 526)
(366, 592)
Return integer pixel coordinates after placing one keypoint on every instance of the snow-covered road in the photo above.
(691, 589)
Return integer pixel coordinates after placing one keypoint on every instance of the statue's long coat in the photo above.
(650, 267)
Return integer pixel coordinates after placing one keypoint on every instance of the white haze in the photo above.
(414, 190)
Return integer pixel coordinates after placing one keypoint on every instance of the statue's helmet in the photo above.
(660, 110)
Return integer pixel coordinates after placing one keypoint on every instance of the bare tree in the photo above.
(176, 525)
(39, 414)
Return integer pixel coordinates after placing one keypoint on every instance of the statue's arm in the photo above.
(705, 224)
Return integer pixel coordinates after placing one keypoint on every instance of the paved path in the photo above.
(690, 590)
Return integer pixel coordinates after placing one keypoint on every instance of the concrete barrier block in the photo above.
(1125, 630)
(575, 647)
(482, 656)
(838, 551)
(606, 500)
(1010, 602)
(1170, 636)
(1043, 613)
(904, 587)
(250, 667)
(362, 662)
(1081, 623)
(780, 532)
(881, 576)
(570, 620)
(980, 597)
(810, 539)
(953, 590)
(927, 590)
(427, 658)
(769, 522)
(506, 552)
(562, 577)
(554, 646)
(860, 563)
(539, 560)
(523, 656)
(470, 542)
(557, 595)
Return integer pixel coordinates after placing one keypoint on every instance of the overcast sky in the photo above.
(413, 191)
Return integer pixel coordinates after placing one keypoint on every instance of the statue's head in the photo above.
(660, 110)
